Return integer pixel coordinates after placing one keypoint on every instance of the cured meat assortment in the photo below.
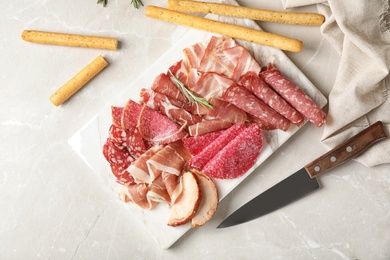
(165, 147)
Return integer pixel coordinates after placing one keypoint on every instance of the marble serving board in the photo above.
(89, 140)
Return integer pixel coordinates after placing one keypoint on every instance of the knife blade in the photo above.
(304, 181)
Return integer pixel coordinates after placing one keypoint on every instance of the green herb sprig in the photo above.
(135, 3)
(190, 95)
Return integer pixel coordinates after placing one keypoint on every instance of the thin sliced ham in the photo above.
(139, 168)
(137, 193)
(208, 126)
(212, 85)
(226, 111)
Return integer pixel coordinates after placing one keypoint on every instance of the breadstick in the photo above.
(78, 81)
(73, 40)
(230, 30)
(246, 12)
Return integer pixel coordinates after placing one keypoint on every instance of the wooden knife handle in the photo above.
(347, 150)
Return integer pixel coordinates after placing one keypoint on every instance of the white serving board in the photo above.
(89, 140)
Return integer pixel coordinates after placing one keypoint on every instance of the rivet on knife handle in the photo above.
(347, 150)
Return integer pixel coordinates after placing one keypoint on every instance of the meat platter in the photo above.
(89, 140)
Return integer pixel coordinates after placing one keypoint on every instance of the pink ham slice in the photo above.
(193, 54)
(293, 95)
(238, 156)
(201, 159)
(208, 126)
(212, 85)
(158, 192)
(196, 144)
(139, 169)
(137, 193)
(226, 111)
(171, 159)
(163, 84)
(180, 70)
(248, 102)
(257, 86)
(170, 108)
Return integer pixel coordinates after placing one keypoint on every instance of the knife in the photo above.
(304, 181)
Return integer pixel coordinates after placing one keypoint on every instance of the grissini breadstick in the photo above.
(246, 12)
(230, 30)
(74, 40)
(78, 81)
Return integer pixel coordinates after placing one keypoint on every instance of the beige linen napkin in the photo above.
(360, 31)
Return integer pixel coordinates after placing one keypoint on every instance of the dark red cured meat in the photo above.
(196, 144)
(201, 159)
(130, 114)
(257, 86)
(118, 136)
(122, 175)
(244, 99)
(116, 114)
(238, 156)
(115, 155)
(135, 143)
(158, 128)
(293, 95)
(226, 111)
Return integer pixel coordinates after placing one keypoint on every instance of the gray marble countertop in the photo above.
(53, 206)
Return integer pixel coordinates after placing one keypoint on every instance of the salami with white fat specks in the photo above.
(295, 96)
(244, 99)
(238, 156)
(257, 86)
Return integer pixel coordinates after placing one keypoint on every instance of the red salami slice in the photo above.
(116, 114)
(130, 114)
(134, 142)
(196, 144)
(118, 136)
(201, 159)
(293, 94)
(158, 128)
(238, 156)
(257, 86)
(248, 102)
(115, 155)
(122, 175)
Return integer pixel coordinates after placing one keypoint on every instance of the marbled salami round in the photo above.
(135, 143)
(238, 156)
(115, 155)
(118, 136)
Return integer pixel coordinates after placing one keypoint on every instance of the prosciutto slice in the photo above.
(293, 94)
(212, 85)
(226, 111)
(208, 126)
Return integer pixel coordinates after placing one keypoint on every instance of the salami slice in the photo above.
(196, 144)
(130, 115)
(257, 86)
(208, 126)
(118, 136)
(115, 155)
(135, 143)
(293, 94)
(158, 128)
(238, 156)
(122, 175)
(116, 114)
(248, 102)
(201, 159)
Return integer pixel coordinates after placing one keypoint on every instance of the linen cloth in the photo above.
(359, 31)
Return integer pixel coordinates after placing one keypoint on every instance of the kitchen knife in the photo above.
(304, 181)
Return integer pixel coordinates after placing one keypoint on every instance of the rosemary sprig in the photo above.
(190, 95)
(135, 3)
